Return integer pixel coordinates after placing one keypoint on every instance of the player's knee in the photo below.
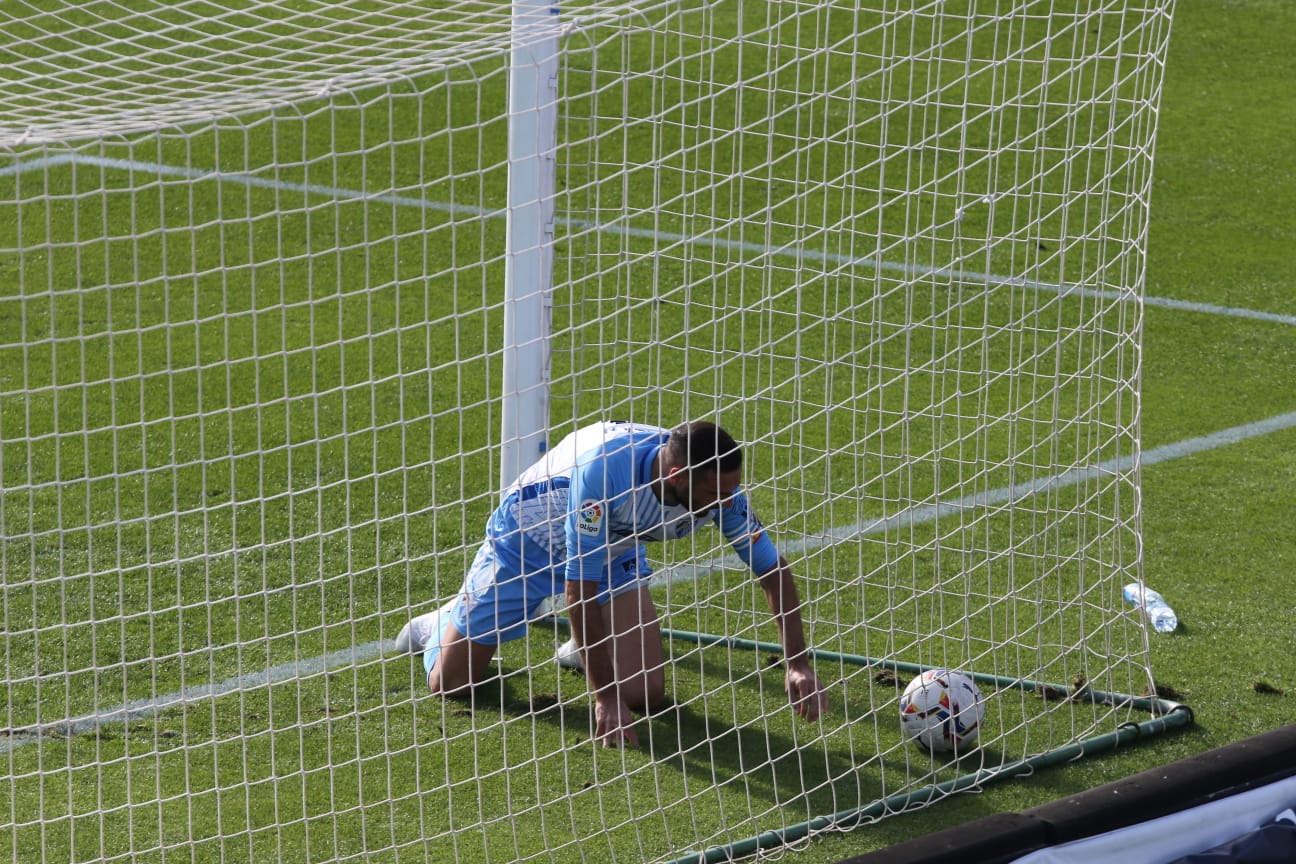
(648, 694)
(656, 701)
(448, 681)
(461, 666)
(657, 686)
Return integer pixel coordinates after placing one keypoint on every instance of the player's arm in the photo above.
(587, 557)
(804, 688)
(745, 533)
(612, 718)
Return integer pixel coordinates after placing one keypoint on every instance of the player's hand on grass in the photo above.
(613, 722)
(805, 691)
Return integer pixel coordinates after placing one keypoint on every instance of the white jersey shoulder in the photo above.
(588, 443)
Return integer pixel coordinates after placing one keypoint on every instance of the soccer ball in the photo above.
(941, 710)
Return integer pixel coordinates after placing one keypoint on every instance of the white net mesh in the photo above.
(250, 351)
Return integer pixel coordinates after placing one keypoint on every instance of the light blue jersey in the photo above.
(583, 513)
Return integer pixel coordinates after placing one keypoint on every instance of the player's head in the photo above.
(703, 465)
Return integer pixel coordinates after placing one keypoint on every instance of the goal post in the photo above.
(289, 291)
(528, 268)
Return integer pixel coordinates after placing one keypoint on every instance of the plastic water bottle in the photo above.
(1163, 618)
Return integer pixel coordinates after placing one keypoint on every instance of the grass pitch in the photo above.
(326, 764)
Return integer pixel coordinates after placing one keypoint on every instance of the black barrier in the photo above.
(1190, 782)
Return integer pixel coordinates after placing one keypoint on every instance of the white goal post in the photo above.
(528, 267)
(290, 289)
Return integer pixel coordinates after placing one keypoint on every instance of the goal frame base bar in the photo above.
(1166, 716)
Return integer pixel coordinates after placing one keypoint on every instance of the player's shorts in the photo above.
(501, 596)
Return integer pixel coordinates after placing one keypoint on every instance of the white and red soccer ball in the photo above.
(942, 710)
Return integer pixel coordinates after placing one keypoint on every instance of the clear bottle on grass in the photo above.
(1159, 613)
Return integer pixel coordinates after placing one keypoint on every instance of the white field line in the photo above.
(154, 169)
(148, 707)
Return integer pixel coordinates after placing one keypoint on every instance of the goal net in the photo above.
(272, 273)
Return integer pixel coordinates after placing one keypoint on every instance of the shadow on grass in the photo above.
(722, 733)
(724, 760)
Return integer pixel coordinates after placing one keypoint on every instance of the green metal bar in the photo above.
(1154, 705)
(1167, 715)
(1125, 734)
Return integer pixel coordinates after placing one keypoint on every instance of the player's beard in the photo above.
(682, 489)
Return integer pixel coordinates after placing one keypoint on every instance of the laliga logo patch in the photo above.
(589, 518)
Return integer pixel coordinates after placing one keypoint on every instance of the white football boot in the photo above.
(415, 636)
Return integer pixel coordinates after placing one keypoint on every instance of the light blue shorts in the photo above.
(499, 597)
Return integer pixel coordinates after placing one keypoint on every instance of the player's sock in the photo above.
(569, 656)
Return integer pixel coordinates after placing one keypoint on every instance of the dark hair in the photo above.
(699, 444)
